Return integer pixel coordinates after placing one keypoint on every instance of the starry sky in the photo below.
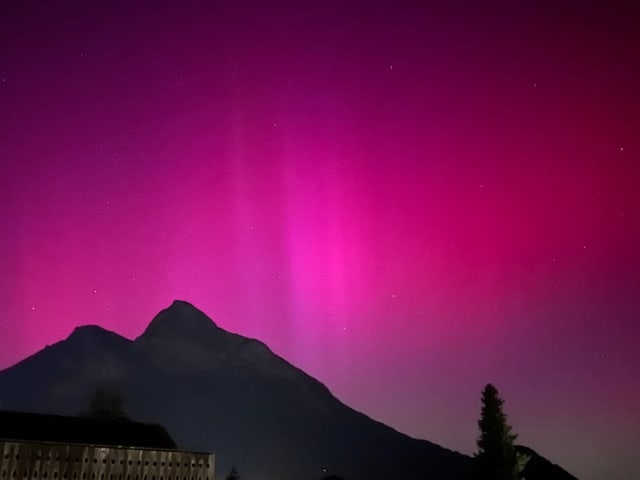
(407, 200)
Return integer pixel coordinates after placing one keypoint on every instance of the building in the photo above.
(51, 447)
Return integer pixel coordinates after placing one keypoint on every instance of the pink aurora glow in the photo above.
(406, 202)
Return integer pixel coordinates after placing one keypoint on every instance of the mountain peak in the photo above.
(90, 333)
(180, 319)
(87, 330)
(94, 337)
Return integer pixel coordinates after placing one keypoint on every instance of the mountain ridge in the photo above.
(219, 391)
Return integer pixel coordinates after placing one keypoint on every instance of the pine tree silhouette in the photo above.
(106, 405)
(497, 458)
(233, 474)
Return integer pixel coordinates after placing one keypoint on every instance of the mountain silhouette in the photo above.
(539, 467)
(218, 391)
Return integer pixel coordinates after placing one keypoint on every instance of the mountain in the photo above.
(539, 467)
(218, 391)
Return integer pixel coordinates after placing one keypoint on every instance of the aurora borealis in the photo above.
(406, 200)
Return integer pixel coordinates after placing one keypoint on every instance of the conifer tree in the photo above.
(106, 405)
(233, 474)
(496, 458)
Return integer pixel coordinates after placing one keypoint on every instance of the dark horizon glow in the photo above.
(405, 201)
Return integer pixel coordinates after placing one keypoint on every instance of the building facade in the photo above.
(46, 447)
(54, 461)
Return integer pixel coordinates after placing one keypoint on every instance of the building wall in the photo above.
(52, 461)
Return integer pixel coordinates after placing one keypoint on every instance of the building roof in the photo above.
(122, 432)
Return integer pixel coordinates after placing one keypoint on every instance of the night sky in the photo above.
(407, 200)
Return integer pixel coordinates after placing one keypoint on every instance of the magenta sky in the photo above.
(405, 201)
